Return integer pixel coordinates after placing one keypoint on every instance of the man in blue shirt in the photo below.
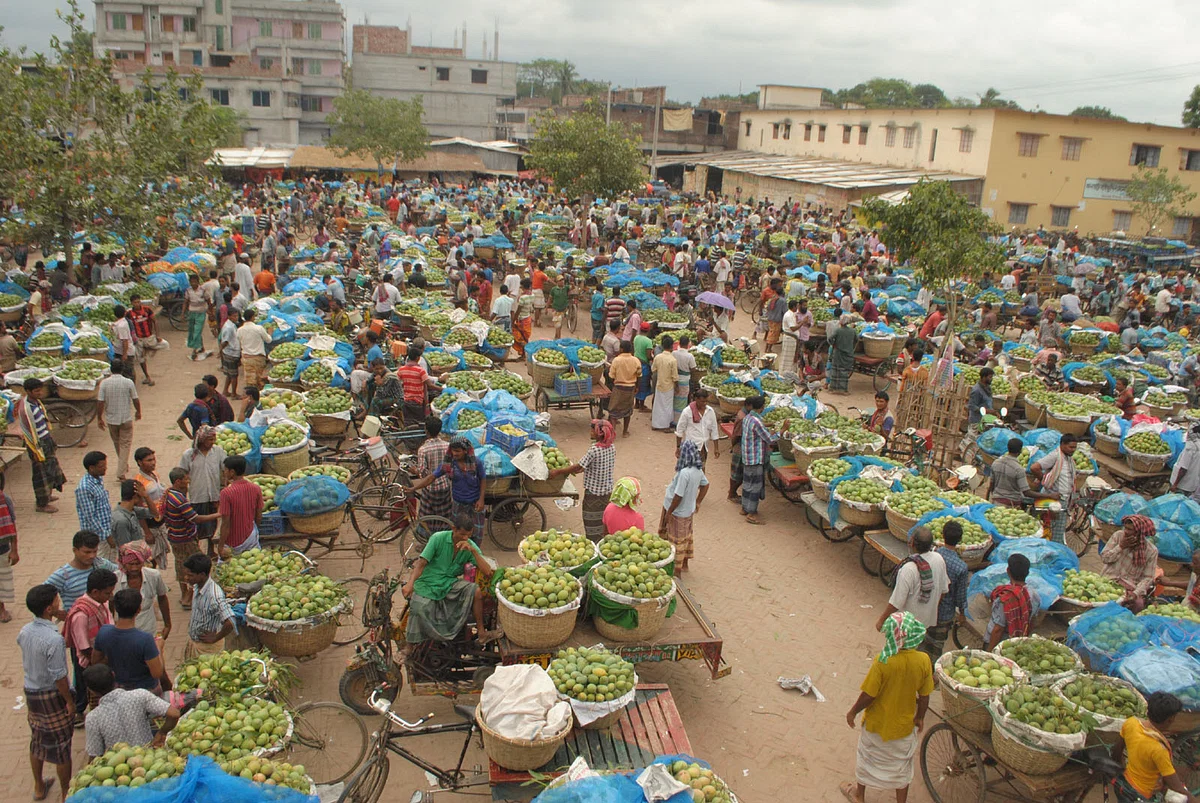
(48, 698)
(93, 505)
(374, 352)
(953, 604)
(599, 313)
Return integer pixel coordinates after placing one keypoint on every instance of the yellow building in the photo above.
(1037, 169)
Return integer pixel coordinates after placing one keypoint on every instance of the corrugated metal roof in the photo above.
(813, 170)
(254, 157)
(498, 146)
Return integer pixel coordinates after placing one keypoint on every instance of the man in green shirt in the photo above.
(560, 297)
(440, 600)
(643, 349)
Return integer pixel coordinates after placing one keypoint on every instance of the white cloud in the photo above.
(1053, 56)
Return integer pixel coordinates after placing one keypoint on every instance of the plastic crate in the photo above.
(510, 444)
(572, 388)
(272, 523)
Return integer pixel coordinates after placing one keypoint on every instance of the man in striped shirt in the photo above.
(756, 448)
(212, 619)
(739, 261)
(614, 307)
(70, 579)
(180, 520)
(93, 505)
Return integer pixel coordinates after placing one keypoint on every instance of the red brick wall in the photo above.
(439, 51)
(380, 39)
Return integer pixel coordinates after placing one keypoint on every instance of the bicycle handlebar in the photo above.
(384, 706)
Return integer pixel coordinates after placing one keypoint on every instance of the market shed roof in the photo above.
(315, 157)
(261, 156)
(812, 170)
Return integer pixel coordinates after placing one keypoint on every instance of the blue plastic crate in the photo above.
(272, 523)
(510, 444)
(572, 388)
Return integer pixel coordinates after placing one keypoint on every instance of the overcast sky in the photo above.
(1136, 59)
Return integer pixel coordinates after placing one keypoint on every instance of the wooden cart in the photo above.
(1153, 482)
(688, 635)
(546, 398)
(817, 513)
(648, 728)
(786, 478)
(516, 513)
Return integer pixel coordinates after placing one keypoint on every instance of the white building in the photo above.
(279, 63)
(461, 96)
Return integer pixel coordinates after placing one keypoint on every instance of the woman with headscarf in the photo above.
(621, 512)
(1131, 560)
(149, 582)
(841, 355)
(683, 497)
(894, 699)
(597, 466)
(466, 482)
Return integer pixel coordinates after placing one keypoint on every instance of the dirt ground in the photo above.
(786, 601)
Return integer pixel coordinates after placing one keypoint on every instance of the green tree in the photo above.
(535, 77)
(585, 156)
(745, 97)
(929, 96)
(991, 100)
(1191, 109)
(381, 129)
(940, 234)
(1099, 112)
(565, 76)
(83, 154)
(1156, 195)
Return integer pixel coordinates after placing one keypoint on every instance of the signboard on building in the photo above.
(1104, 189)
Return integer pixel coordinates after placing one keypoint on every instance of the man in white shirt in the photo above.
(1185, 476)
(212, 289)
(1162, 304)
(468, 246)
(254, 342)
(698, 424)
(244, 278)
(1071, 308)
(513, 282)
(1008, 282)
(124, 346)
(682, 262)
(921, 581)
(386, 297)
(621, 254)
(502, 309)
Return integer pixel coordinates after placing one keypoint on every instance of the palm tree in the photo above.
(564, 76)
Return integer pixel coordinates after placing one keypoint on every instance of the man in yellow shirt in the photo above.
(626, 372)
(1148, 767)
(895, 697)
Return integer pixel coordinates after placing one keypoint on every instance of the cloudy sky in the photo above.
(1135, 59)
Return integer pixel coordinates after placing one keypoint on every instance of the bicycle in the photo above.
(368, 783)
(69, 420)
(1080, 534)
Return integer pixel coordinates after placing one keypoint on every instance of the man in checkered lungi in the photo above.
(49, 702)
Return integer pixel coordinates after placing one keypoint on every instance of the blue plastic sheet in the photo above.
(169, 282)
(973, 514)
(308, 496)
(995, 441)
(450, 419)
(1175, 508)
(202, 781)
(339, 380)
(1153, 669)
(1042, 438)
(1047, 586)
(1114, 508)
(1105, 634)
(254, 456)
(14, 289)
(1173, 542)
(1048, 556)
(501, 401)
(495, 462)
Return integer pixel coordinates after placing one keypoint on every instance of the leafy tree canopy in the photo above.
(1191, 109)
(1157, 196)
(585, 156)
(1099, 112)
(381, 129)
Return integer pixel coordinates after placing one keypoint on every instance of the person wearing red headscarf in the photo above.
(597, 466)
(1131, 560)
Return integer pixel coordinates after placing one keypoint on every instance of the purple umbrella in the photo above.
(716, 299)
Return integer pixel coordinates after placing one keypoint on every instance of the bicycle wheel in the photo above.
(368, 783)
(1079, 531)
(883, 378)
(572, 317)
(329, 739)
(747, 301)
(511, 519)
(177, 315)
(68, 424)
(416, 535)
(867, 559)
(350, 625)
(953, 770)
(373, 502)
(383, 528)
(1186, 758)
(965, 638)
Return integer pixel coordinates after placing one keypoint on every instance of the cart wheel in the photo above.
(541, 402)
(883, 375)
(953, 770)
(368, 783)
(330, 741)
(865, 559)
(1186, 758)
(512, 519)
(176, 312)
(594, 408)
(965, 638)
(887, 571)
(838, 536)
(350, 626)
(773, 477)
(1078, 535)
(747, 301)
(68, 425)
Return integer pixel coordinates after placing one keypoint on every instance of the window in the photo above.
(220, 38)
(820, 133)
(747, 128)
(1182, 227)
(314, 30)
(846, 129)
(189, 24)
(264, 28)
(1146, 155)
(889, 138)
(185, 94)
(443, 73)
(266, 64)
(933, 145)
(479, 76)
(297, 66)
(1027, 145)
(118, 22)
(139, 21)
(1122, 221)
(774, 130)
(1072, 148)
(120, 55)
(260, 98)
(1060, 216)
(197, 58)
(308, 103)
(1018, 213)
(297, 30)
(1191, 160)
(787, 130)
(966, 138)
(219, 6)
(808, 132)
(910, 137)
(219, 96)
(862, 135)
(314, 67)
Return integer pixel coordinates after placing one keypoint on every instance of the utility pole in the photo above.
(654, 143)
(608, 106)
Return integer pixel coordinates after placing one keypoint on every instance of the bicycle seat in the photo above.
(467, 712)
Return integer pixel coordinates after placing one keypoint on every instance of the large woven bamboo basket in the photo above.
(651, 617)
(498, 485)
(878, 346)
(897, 346)
(820, 489)
(12, 315)
(1146, 463)
(1082, 348)
(1067, 426)
(288, 643)
(785, 449)
(1107, 444)
(549, 486)
(71, 394)
(1023, 758)
(1022, 363)
(594, 370)
(804, 459)
(1161, 413)
(327, 425)
(537, 632)
(817, 330)
(542, 374)
(969, 711)
(519, 754)
(1104, 530)
(286, 462)
(318, 524)
(867, 519)
(899, 524)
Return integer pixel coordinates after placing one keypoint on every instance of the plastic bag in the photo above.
(1042, 438)
(309, 496)
(501, 401)
(1047, 587)
(495, 462)
(1175, 508)
(1166, 669)
(995, 441)
(202, 781)
(1050, 557)
(599, 789)
(1105, 634)
(1170, 631)
(450, 419)
(1114, 508)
